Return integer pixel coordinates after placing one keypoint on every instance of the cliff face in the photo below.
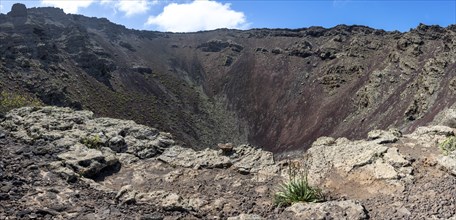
(279, 89)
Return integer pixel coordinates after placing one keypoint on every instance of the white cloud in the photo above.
(198, 15)
(130, 7)
(68, 6)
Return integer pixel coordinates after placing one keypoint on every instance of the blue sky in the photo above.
(190, 15)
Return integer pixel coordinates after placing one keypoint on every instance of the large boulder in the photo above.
(244, 158)
(448, 162)
(430, 136)
(185, 157)
(345, 157)
(434, 130)
(89, 162)
(248, 159)
(384, 137)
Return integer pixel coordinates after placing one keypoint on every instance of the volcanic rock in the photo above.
(88, 162)
(226, 148)
(332, 210)
(309, 95)
(184, 157)
(276, 88)
(448, 162)
(57, 161)
(18, 10)
(64, 127)
(349, 157)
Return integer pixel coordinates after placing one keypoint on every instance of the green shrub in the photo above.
(296, 189)
(93, 142)
(10, 100)
(448, 146)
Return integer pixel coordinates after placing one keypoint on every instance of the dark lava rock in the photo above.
(4, 196)
(127, 46)
(214, 46)
(18, 10)
(218, 45)
(142, 69)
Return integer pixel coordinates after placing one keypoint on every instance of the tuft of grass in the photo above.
(448, 146)
(10, 100)
(297, 189)
(93, 142)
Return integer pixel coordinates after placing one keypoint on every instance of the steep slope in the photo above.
(279, 89)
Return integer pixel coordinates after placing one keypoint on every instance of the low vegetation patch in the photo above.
(448, 146)
(93, 142)
(11, 100)
(297, 188)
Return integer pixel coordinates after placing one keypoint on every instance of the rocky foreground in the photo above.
(57, 163)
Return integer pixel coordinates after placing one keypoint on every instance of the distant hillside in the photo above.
(276, 88)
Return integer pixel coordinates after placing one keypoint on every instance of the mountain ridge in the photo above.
(279, 89)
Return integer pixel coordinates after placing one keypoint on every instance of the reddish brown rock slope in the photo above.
(276, 88)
